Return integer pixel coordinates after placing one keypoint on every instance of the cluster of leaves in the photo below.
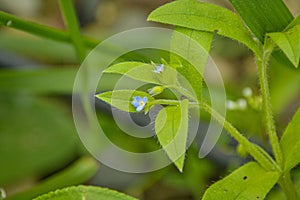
(264, 30)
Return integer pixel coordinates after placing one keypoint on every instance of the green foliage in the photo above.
(84, 193)
(71, 23)
(290, 143)
(204, 17)
(289, 43)
(263, 16)
(187, 47)
(40, 30)
(122, 99)
(171, 127)
(144, 72)
(269, 21)
(246, 183)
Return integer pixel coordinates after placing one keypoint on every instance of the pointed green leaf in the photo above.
(187, 47)
(84, 193)
(144, 72)
(295, 22)
(204, 17)
(171, 127)
(289, 43)
(246, 183)
(290, 143)
(263, 16)
(122, 99)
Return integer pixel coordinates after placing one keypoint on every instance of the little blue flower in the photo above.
(159, 69)
(139, 103)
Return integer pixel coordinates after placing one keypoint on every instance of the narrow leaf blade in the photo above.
(263, 16)
(171, 127)
(246, 183)
(204, 17)
(290, 143)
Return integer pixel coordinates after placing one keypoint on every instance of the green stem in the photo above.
(71, 22)
(183, 91)
(257, 153)
(288, 187)
(262, 64)
(56, 34)
(41, 30)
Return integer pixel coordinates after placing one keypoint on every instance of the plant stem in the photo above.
(184, 92)
(257, 153)
(288, 187)
(41, 30)
(55, 34)
(262, 64)
(71, 22)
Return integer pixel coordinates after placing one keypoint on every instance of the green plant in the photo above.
(266, 27)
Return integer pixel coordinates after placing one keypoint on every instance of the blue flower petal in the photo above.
(145, 99)
(159, 69)
(139, 103)
(137, 98)
(139, 108)
(135, 103)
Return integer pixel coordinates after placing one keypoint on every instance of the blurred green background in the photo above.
(38, 138)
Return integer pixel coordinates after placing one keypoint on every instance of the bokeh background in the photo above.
(37, 134)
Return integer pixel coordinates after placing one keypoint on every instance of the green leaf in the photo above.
(84, 193)
(35, 133)
(246, 183)
(171, 127)
(144, 72)
(263, 16)
(295, 22)
(122, 99)
(289, 43)
(186, 46)
(204, 17)
(79, 172)
(290, 143)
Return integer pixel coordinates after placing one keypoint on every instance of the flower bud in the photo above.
(155, 90)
